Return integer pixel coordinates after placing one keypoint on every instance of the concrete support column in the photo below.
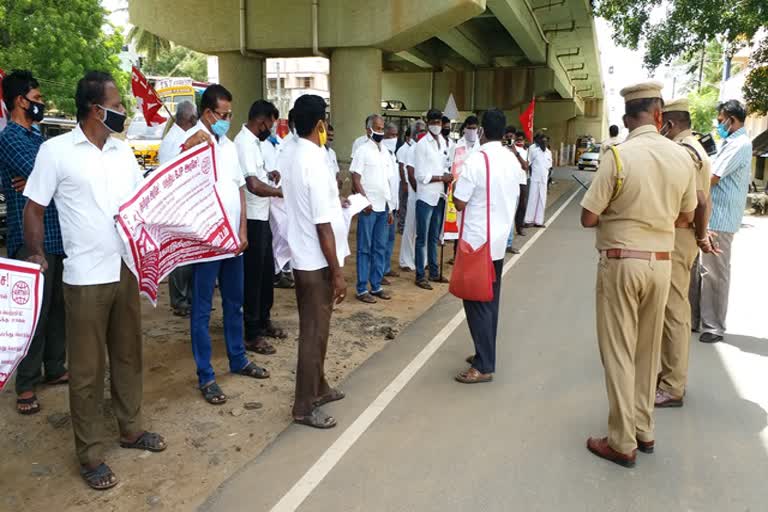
(244, 78)
(355, 93)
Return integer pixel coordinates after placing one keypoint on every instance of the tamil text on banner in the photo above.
(146, 98)
(451, 225)
(175, 218)
(21, 295)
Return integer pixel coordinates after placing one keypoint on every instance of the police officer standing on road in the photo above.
(689, 238)
(641, 189)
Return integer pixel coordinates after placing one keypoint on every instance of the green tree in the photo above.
(59, 44)
(148, 43)
(686, 28)
(756, 84)
(179, 61)
(703, 108)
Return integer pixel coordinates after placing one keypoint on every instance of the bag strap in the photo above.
(619, 172)
(697, 160)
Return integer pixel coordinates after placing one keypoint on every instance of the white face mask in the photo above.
(435, 129)
(390, 144)
(470, 134)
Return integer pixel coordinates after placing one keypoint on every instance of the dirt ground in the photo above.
(207, 444)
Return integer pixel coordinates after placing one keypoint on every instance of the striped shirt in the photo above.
(733, 165)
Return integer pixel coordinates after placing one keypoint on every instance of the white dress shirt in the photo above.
(430, 158)
(402, 152)
(287, 146)
(311, 198)
(252, 164)
(505, 189)
(229, 176)
(333, 163)
(270, 153)
(374, 165)
(540, 163)
(88, 185)
(170, 147)
(394, 182)
(358, 142)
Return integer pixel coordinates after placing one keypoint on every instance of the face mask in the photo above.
(264, 135)
(390, 144)
(470, 134)
(377, 137)
(113, 120)
(35, 110)
(435, 129)
(723, 130)
(446, 132)
(323, 135)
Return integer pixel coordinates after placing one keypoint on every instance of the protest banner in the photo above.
(21, 296)
(451, 224)
(175, 218)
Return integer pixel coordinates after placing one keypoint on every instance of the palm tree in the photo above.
(148, 43)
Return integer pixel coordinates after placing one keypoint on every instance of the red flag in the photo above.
(3, 110)
(146, 98)
(526, 120)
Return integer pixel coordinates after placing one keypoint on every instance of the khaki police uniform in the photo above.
(635, 237)
(675, 342)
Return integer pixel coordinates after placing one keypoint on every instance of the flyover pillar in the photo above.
(355, 93)
(244, 78)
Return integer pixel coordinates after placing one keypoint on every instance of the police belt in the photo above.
(621, 254)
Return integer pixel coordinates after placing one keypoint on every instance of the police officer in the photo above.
(640, 190)
(689, 238)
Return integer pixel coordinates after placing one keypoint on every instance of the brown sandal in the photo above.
(31, 402)
(260, 346)
(316, 419)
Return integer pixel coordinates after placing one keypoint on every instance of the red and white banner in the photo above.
(3, 111)
(176, 218)
(146, 98)
(526, 120)
(21, 295)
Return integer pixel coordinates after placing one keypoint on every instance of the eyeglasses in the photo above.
(223, 115)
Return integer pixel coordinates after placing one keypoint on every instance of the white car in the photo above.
(590, 159)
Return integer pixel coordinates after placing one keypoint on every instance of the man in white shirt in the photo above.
(540, 162)
(258, 259)
(186, 119)
(408, 177)
(333, 162)
(614, 139)
(89, 174)
(514, 141)
(316, 237)
(180, 280)
(471, 198)
(363, 138)
(284, 277)
(391, 132)
(215, 116)
(430, 168)
(371, 170)
(470, 139)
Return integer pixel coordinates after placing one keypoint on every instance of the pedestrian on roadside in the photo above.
(363, 138)
(19, 145)
(258, 259)
(540, 162)
(731, 172)
(180, 280)
(283, 278)
(405, 157)
(689, 239)
(402, 194)
(89, 173)
(315, 236)
(522, 204)
(391, 132)
(487, 177)
(430, 164)
(520, 171)
(371, 170)
(215, 116)
(333, 162)
(612, 140)
(637, 195)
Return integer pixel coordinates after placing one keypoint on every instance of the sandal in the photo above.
(148, 441)
(181, 312)
(260, 346)
(272, 331)
(381, 294)
(424, 284)
(254, 371)
(333, 396)
(316, 419)
(213, 394)
(439, 279)
(100, 478)
(367, 298)
(64, 379)
(31, 402)
(392, 273)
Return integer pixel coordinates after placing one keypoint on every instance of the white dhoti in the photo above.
(408, 240)
(537, 203)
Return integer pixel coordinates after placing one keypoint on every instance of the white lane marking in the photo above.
(328, 460)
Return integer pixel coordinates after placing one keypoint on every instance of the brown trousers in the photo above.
(103, 321)
(631, 295)
(676, 340)
(314, 295)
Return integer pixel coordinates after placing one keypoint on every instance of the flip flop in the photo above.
(334, 396)
(148, 441)
(272, 331)
(260, 346)
(424, 284)
(317, 419)
(101, 473)
(64, 379)
(32, 402)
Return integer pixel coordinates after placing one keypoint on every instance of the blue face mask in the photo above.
(220, 127)
(722, 130)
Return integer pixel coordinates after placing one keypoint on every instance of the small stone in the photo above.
(252, 406)
(214, 460)
(58, 419)
(40, 470)
(236, 412)
(153, 501)
(238, 449)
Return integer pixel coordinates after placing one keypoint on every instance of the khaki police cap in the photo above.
(642, 90)
(677, 105)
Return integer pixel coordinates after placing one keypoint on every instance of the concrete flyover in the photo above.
(487, 53)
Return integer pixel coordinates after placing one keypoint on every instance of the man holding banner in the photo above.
(89, 173)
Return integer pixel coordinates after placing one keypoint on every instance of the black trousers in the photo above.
(483, 320)
(522, 204)
(259, 266)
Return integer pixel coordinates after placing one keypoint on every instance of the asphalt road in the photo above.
(428, 443)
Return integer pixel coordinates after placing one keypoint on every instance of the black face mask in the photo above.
(446, 132)
(264, 135)
(377, 137)
(113, 120)
(35, 110)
